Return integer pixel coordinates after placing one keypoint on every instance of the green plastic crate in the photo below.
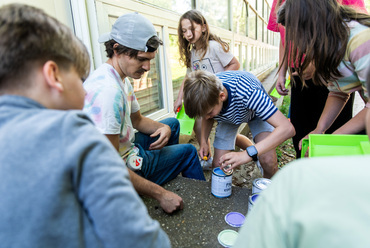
(186, 123)
(323, 145)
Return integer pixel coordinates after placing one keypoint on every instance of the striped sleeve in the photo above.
(261, 104)
(355, 64)
(358, 51)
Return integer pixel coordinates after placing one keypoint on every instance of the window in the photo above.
(250, 51)
(251, 24)
(178, 70)
(252, 3)
(265, 35)
(276, 39)
(259, 29)
(260, 7)
(266, 12)
(244, 58)
(239, 17)
(215, 14)
(236, 51)
(178, 6)
(148, 89)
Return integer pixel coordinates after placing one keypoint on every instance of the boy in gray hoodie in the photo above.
(62, 184)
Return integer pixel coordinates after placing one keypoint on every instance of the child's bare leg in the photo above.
(243, 141)
(218, 154)
(267, 160)
(197, 129)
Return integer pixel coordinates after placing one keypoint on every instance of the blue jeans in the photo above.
(161, 166)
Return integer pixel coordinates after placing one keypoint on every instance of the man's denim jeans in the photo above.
(161, 166)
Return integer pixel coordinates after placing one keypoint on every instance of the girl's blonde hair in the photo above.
(194, 16)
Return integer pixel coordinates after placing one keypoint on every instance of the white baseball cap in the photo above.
(131, 30)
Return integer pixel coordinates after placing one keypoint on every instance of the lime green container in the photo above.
(276, 94)
(186, 123)
(323, 145)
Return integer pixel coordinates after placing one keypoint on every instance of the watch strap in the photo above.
(252, 152)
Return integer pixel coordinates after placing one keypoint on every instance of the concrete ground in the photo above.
(203, 216)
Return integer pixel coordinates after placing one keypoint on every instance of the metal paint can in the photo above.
(260, 184)
(221, 183)
(251, 201)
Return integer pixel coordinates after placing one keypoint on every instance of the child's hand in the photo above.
(234, 159)
(280, 86)
(177, 105)
(204, 151)
(306, 137)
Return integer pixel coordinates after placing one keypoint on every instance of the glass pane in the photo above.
(259, 29)
(178, 70)
(174, 5)
(239, 17)
(148, 89)
(265, 35)
(250, 51)
(244, 58)
(251, 24)
(266, 11)
(277, 39)
(252, 3)
(236, 51)
(215, 14)
(260, 7)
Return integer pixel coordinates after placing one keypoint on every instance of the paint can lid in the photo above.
(235, 219)
(227, 170)
(227, 237)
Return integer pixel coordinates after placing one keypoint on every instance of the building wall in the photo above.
(60, 9)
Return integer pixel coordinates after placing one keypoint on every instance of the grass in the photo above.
(285, 151)
(284, 108)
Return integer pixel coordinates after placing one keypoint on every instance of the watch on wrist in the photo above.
(252, 152)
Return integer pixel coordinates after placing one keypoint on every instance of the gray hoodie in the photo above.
(62, 184)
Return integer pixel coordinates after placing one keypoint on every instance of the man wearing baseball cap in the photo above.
(111, 103)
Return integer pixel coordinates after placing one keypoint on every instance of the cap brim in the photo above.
(104, 38)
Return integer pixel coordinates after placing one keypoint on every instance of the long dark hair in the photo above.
(194, 16)
(317, 32)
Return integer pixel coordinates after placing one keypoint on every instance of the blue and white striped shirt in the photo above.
(246, 98)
